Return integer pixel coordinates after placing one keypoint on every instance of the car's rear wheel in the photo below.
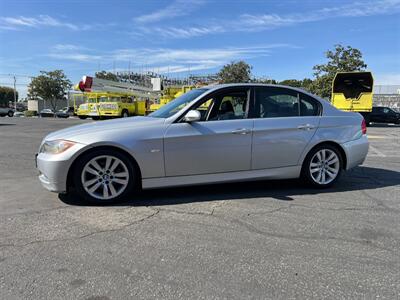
(322, 166)
(10, 113)
(104, 176)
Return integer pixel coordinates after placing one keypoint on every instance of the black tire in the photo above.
(85, 158)
(125, 114)
(306, 172)
(95, 118)
(82, 117)
(10, 113)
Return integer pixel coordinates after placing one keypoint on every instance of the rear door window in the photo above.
(308, 106)
(277, 102)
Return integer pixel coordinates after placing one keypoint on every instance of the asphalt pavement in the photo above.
(258, 240)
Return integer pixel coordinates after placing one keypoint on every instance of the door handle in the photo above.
(241, 131)
(305, 127)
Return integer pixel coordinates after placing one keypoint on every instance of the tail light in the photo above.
(364, 126)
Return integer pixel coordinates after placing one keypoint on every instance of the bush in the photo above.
(30, 113)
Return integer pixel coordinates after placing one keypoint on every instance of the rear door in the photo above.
(285, 121)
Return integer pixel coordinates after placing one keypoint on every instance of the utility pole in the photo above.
(15, 95)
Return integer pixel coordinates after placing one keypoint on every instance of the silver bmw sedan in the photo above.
(214, 134)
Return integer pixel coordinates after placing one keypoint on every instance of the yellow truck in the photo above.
(112, 99)
(120, 105)
(169, 94)
(353, 91)
(88, 108)
(107, 105)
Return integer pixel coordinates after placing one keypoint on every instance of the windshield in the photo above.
(177, 104)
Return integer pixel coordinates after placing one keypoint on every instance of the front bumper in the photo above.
(110, 113)
(53, 169)
(356, 151)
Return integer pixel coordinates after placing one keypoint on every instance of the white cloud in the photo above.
(166, 59)
(163, 55)
(66, 47)
(34, 22)
(177, 9)
(73, 52)
(178, 32)
(261, 22)
(20, 22)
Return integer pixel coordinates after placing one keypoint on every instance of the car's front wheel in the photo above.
(322, 166)
(104, 176)
(10, 113)
(125, 113)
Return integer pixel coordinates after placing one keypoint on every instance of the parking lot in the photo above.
(268, 239)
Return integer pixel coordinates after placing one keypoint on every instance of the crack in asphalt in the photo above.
(35, 211)
(252, 229)
(379, 202)
(155, 212)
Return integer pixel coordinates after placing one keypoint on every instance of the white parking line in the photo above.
(375, 151)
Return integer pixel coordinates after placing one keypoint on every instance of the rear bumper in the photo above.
(356, 151)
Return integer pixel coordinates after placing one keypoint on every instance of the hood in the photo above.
(70, 132)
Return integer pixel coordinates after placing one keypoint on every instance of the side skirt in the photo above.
(275, 173)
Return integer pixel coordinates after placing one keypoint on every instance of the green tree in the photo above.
(303, 84)
(235, 72)
(106, 75)
(292, 82)
(340, 59)
(306, 84)
(264, 80)
(50, 86)
(6, 95)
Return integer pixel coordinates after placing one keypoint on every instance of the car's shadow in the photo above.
(360, 178)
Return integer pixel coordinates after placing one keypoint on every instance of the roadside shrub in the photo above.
(30, 113)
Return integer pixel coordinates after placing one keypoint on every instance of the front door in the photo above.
(286, 120)
(219, 142)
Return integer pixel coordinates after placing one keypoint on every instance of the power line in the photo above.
(10, 83)
(16, 75)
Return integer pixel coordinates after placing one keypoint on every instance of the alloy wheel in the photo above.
(324, 166)
(105, 177)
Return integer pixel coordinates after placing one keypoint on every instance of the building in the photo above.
(387, 95)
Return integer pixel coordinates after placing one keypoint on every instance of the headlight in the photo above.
(56, 147)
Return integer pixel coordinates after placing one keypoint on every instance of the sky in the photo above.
(280, 39)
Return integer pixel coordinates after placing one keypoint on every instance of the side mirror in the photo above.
(192, 116)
